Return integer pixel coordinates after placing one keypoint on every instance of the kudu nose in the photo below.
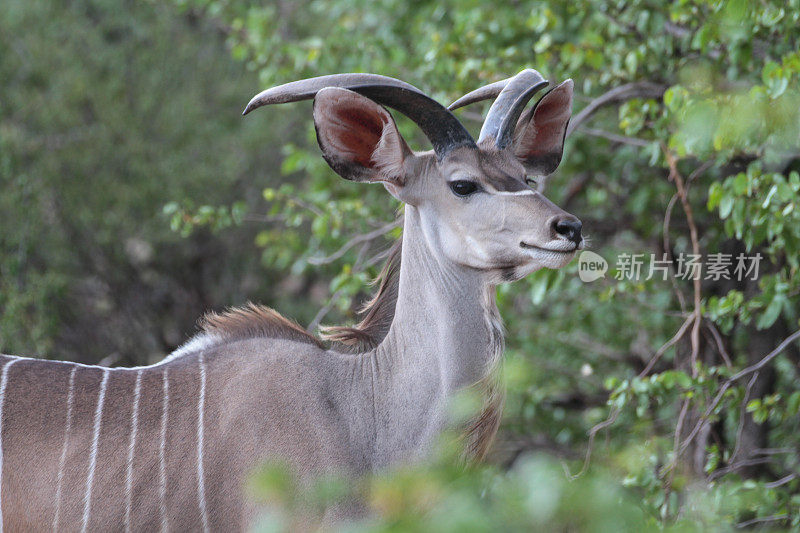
(569, 228)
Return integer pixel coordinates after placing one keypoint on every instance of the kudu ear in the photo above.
(359, 138)
(540, 131)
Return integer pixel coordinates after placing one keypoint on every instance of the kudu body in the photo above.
(169, 446)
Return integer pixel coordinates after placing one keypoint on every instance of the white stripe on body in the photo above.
(162, 489)
(201, 485)
(3, 384)
(63, 460)
(98, 415)
(137, 392)
(197, 343)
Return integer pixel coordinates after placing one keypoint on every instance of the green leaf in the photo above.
(725, 206)
(771, 313)
(740, 183)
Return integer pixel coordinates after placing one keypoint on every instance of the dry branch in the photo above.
(623, 93)
(358, 239)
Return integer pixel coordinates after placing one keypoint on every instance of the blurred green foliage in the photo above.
(109, 110)
(673, 441)
(532, 495)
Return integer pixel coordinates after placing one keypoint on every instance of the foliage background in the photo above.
(134, 198)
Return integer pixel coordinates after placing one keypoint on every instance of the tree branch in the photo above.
(613, 137)
(612, 417)
(363, 237)
(623, 93)
(723, 353)
(678, 336)
(782, 481)
(754, 521)
(730, 381)
(675, 176)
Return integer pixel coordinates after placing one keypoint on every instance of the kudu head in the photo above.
(476, 202)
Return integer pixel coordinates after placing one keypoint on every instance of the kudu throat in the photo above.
(445, 336)
(445, 317)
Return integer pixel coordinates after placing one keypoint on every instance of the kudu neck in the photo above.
(444, 317)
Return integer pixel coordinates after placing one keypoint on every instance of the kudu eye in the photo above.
(531, 182)
(463, 187)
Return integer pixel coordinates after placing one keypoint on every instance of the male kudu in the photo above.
(169, 446)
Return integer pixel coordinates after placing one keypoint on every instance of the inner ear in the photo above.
(354, 133)
(359, 138)
(540, 132)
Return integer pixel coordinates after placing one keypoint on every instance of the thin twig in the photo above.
(358, 266)
(585, 342)
(377, 258)
(774, 451)
(264, 219)
(472, 115)
(754, 461)
(314, 324)
(612, 417)
(305, 205)
(720, 345)
(782, 481)
(678, 336)
(753, 521)
(730, 381)
(361, 263)
(766, 360)
(668, 251)
(698, 171)
(742, 414)
(629, 91)
(363, 237)
(675, 447)
(614, 137)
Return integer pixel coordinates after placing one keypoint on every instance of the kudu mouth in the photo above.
(574, 248)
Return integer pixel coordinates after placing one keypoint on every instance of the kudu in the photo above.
(169, 446)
